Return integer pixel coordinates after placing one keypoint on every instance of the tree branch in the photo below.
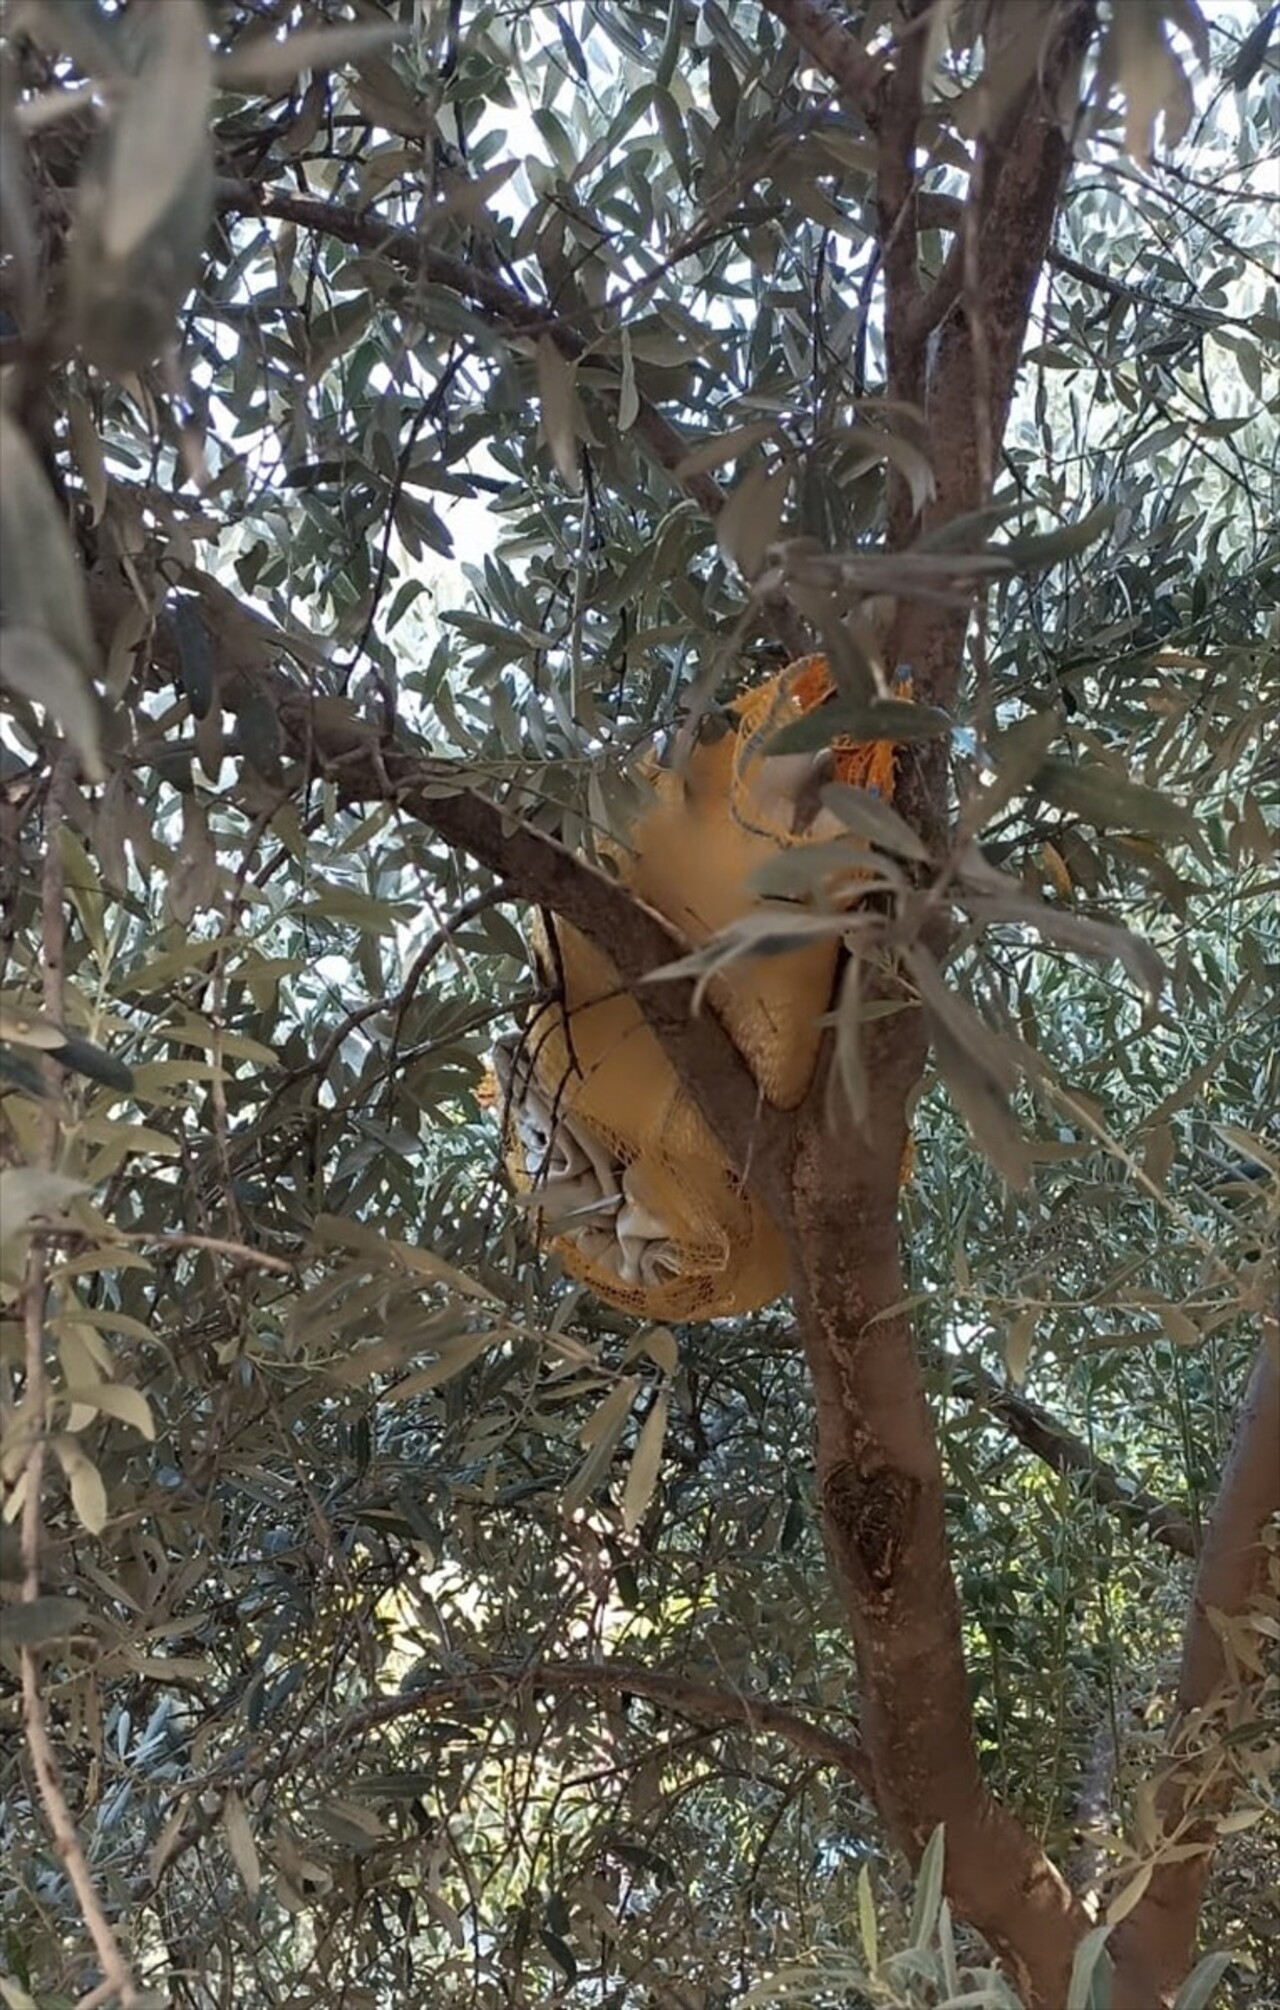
(502, 304)
(831, 47)
(899, 226)
(637, 942)
(397, 1001)
(1158, 1937)
(1066, 1453)
(975, 350)
(680, 1694)
(955, 358)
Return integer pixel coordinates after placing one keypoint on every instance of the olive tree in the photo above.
(411, 415)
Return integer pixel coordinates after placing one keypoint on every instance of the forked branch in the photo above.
(1222, 1656)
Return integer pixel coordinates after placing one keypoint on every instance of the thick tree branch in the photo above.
(975, 350)
(897, 198)
(954, 358)
(881, 1489)
(879, 1472)
(824, 38)
(1064, 1452)
(637, 942)
(1158, 1937)
(1233, 1550)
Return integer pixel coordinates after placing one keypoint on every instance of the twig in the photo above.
(1064, 1452)
(398, 1000)
(719, 1709)
(117, 1976)
(515, 315)
(497, 300)
(217, 1245)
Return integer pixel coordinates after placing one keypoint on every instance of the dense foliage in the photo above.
(411, 1627)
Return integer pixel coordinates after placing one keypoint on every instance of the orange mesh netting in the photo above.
(630, 1188)
(863, 764)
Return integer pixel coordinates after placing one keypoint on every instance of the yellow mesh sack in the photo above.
(628, 1185)
(693, 860)
(631, 1188)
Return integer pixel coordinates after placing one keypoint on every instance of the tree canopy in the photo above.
(421, 424)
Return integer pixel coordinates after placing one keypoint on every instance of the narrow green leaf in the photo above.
(1013, 757)
(1250, 57)
(1018, 1338)
(613, 1411)
(259, 735)
(561, 1953)
(260, 61)
(1129, 1895)
(1002, 899)
(88, 1494)
(240, 1842)
(984, 1108)
(116, 1399)
(195, 656)
(559, 411)
(628, 395)
(35, 666)
(714, 453)
(161, 129)
(87, 443)
(928, 1895)
(1203, 1980)
(1110, 801)
(869, 817)
(884, 719)
(1051, 547)
(41, 582)
(81, 1057)
(31, 1029)
(748, 524)
(602, 1431)
(1090, 1952)
(454, 1356)
(868, 1932)
(646, 1463)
